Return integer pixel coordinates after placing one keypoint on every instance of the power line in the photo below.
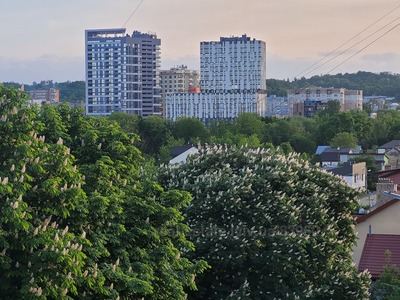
(137, 7)
(349, 40)
(351, 47)
(362, 49)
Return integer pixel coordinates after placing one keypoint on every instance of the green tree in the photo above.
(153, 134)
(249, 124)
(191, 130)
(128, 122)
(270, 225)
(333, 107)
(80, 219)
(136, 227)
(42, 203)
(344, 140)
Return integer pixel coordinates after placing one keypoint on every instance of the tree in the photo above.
(79, 219)
(153, 134)
(333, 107)
(134, 223)
(191, 130)
(344, 140)
(42, 203)
(128, 122)
(249, 124)
(270, 225)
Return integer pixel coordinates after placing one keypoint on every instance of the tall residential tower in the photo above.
(122, 72)
(233, 74)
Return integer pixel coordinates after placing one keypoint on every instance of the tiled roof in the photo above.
(373, 257)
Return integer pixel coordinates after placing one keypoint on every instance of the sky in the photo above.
(44, 39)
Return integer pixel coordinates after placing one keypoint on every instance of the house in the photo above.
(331, 157)
(181, 153)
(381, 160)
(384, 220)
(392, 151)
(389, 146)
(355, 174)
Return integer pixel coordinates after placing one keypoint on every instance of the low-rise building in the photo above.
(307, 101)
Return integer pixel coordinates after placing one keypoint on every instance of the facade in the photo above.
(233, 74)
(355, 174)
(307, 101)
(276, 106)
(122, 72)
(179, 79)
(51, 95)
(382, 220)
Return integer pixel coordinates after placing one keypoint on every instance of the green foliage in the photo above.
(270, 225)
(128, 122)
(80, 216)
(333, 107)
(191, 130)
(153, 132)
(344, 140)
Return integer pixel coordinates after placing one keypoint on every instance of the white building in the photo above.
(233, 74)
(307, 101)
(122, 72)
(178, 79)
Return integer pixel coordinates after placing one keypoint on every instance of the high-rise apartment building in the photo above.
(307, 101)
(233, 74)
(233, 64)
(122, 72)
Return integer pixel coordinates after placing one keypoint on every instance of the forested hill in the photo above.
(70, 91)
(382, 84)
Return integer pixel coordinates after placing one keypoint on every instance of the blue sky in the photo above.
(44, 39)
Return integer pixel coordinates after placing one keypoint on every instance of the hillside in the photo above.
(385, 84)
(382, 84)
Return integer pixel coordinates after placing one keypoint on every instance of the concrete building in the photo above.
(179, 79)
(50, 96)
(233, 74)
(307, 101)
(122, 72)
(277, 106)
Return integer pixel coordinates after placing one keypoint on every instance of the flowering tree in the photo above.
(271, 226)
(78, 220)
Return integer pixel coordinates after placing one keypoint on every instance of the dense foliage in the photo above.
(78, 218)
(271, 226)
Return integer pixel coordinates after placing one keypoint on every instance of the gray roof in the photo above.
(333, 154)
(345, 170)
(390, 145)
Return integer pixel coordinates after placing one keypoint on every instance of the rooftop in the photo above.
(374, 257)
